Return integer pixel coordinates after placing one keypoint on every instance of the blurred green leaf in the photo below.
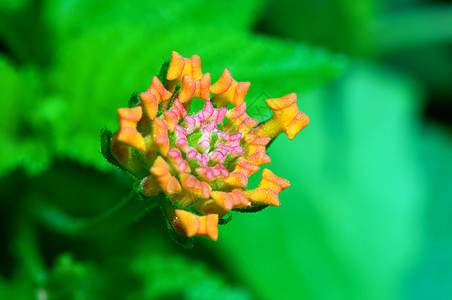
(70, 279)
(431, 65)
(20, 139)
(22, 33)
(64, 16)
(175, 277)
(14, 289)
(349, 226)
(151, 273)
(339, 25)
(433, 274)
(393, 31)
(12, 5)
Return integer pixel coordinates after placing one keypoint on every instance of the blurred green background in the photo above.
(368, 215)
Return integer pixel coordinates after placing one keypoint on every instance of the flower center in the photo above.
(207, 148)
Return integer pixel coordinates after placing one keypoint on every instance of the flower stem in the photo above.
(27, 252)
(125, 212)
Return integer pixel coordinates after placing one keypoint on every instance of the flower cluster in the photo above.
(202, 160)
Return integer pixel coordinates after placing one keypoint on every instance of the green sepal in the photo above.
(213, 139)
(137, 154)
(172, 137)
(176, 90)
(134, 100)
(251, 209)
(192, 163)
(225, 219)
(163, 72)
(105, 144)
(194, 138)
(227, 162)
(270, 143)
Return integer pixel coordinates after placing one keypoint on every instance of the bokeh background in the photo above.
(368, 215)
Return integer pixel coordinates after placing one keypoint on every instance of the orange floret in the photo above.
(240, 199)
(286, 118)
(236, 179)
(191, 88)
(151, 99)
(228, 91)
(173, 115)
(256, 149)
(191, 224)
(192, 189)
(220, 203)
(128, 134)
(203, 88)
(169, 184)
(160, 132)
(239, 121)
(268, 190)
(128, 138)
(246, 167)
(181, 66)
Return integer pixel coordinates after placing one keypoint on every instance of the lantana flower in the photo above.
(201, 160)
